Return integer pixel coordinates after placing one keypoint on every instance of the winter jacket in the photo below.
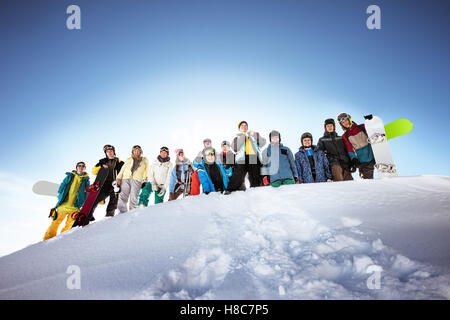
(356, 142)
(195, 184)
(335, 149)
(114, 170)
(241, 147)
(205, 179)
(321, 164)
(280, 168)
(159, 175)
(180, 175)
(226, 159)
(63, 191)
(141, 173)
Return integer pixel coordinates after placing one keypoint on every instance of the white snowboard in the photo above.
(46, 188)
(377, 138)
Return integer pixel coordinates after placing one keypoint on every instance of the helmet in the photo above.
(108, 147)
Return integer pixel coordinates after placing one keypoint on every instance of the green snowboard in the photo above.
(398, 128)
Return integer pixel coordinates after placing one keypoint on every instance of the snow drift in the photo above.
(380, 239)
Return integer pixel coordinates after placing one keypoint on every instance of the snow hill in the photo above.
(380, 239)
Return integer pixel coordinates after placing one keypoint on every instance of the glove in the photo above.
(266, 180)
(355, 162)
(297, 181)
(352, 169)
(162, 192)
(53, 214)
(143, 185)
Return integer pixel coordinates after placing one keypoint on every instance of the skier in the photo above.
(312, 163)
(212, 174)
(158, 178)
(113, 164)
(71, 197)
(358, 148)
(180, 176)
(246, 145)
(130, 178)
(279, 166)
(334, 147)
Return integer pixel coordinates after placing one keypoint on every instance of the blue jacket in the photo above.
(205, 180)
(173, 176)
(304, 169)
(64, 188)
(279, 169)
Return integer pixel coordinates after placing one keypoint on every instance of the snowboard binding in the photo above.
(384, 168)
(377, 138)
(92, 188)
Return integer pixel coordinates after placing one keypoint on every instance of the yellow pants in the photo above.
(63, 212)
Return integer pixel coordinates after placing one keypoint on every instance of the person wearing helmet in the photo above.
(279, 166)
(113, 164)
(312, 163)
(334, 147)
(358, 148)
(71, 197)
(248, 158)
(130, 178)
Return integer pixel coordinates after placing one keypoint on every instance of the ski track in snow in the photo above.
(321, 241)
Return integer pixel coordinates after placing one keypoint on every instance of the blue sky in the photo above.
(166, 72)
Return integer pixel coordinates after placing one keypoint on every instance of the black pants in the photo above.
(237, 180)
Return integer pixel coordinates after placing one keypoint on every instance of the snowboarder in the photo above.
(158, 178)
(71, 197)
(312, 163)
(113, 165)
(212, 174)
(247, 147)
(130, 178)
(334, 147)
(358, 148)
(180, 176)
(279, 166)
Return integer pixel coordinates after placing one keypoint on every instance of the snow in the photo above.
(379, 239)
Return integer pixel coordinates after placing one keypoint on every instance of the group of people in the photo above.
(129, 184)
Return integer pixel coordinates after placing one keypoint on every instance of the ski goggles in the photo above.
(137, 147)
(342, 117)
(108, 147)
(209, 152)
(164, 149)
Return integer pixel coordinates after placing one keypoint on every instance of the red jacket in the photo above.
(195, 184)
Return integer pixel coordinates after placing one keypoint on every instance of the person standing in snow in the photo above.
(179, 177)
(312, 163)
(71, 197)
(113, 165)
(212, 174)
(247, 147)
(130, 178)
(158, 178)
(336, 151)
(358, 148)
(279, 166)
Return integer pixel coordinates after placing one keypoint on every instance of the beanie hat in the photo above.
(207, 140)
(306, 135)
(239, 124)
(224, 143)
(178, 151)
(274, 133)
(164, 149)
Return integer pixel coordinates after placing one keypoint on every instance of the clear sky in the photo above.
(172, 72)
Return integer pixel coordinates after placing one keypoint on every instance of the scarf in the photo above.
(160, 159)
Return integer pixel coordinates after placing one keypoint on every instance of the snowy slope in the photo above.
(321, 241)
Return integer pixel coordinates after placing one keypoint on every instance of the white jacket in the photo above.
(159, 174)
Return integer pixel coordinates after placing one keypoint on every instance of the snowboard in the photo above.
(46, 188)
(93, 190)
(378, 140)
(398, 128)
